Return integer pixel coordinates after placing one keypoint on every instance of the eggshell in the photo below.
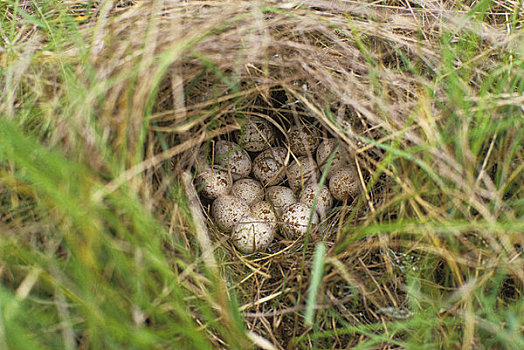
(344, 183)
(324, 199)
(228, 210)
(280, 197)
(256, 135)
(212, 182)
(252, 234)
(231, 157)
(295, 219)
(263, 210)
(301, 171)
(324, 151)
(249, 190)
(269, 166)
(303, 140)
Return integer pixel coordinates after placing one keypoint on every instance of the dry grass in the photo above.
(404, 84)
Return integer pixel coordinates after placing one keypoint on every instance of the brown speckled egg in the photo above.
(230, 157)
(249, 190)
(212, 182)
(344, 183)
(301, 171)
(252, 234)
(295, 219)
(256, 135)
(269, 166)
(324, 151)
(303, 140)
(228, 210)
(280, 197)
(263, 210)
(324, 198)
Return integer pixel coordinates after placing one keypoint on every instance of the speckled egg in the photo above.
(256, 135)
(324, 151)
(301, 171)
(280, 197)
(228, 210)
(303, 140)
(212, 182)
(249, 190)
(263, 210)
(231, 157)
(344, 183)
(252, 234)
(269, 166)
(324, 199)
(295, 219)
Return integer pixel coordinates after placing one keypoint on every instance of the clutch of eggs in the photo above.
(255, 191)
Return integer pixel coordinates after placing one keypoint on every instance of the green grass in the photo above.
(98, 245)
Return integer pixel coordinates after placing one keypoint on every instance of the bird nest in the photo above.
(308, 73)
(312, 66)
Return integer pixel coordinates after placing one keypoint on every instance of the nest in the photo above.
(295, 68)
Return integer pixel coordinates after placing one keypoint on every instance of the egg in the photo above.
(324, 152)
(231, 157)
(303, 140)
(256, 135)
(301, 171)
(212, 182)
(295, 219)
(252, 234)
(344, 183)
(249, 190)
(269, 166)
(280, 197)
(263, 210)
(228, 210)
(324, 199)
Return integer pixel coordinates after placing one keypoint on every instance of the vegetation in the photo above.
(107, 107)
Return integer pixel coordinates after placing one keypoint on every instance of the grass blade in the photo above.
(316, 279)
